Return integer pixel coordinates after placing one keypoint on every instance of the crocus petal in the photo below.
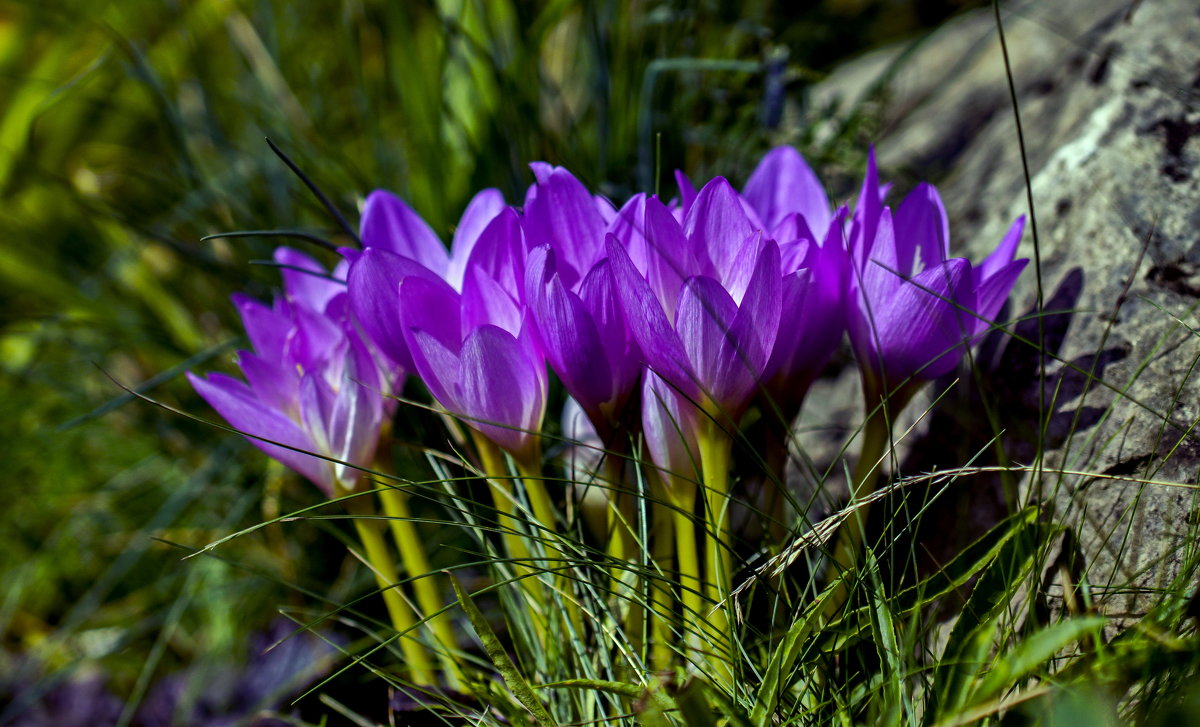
(500, 253)
(757, 322)
(794, 255)
(501, 391)
(728, 346)
(600, 297)
(791, 345)
(485, 301)
(918, 327)
(390, 224)
(867, 211)
(234, 401)
(812, 321)
(313, 289)
(1003, 254)
(717, 223)
(570, 339)
(606, 209)
(669, 424)
(793, 228)
(481, 210)
(742, 266)
(629, 227)
(784, 184)
(266, 327)
(353, 429)
(363, 366)
(584, 449)
(542, 171)
(431, 305)
(313, 341)
(660, 345)
(879, 275)
(437, 366)
(563, 214)
(990, 296)
(669, 257)
(921, 229)
(704, 319)
(687, 192)
(274, 385)
(429, 317)
(374, 281)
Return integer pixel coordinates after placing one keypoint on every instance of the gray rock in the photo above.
(1109, 95)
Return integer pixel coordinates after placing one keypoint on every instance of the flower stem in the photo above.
(876, 436)
(544, 517)
(716, 450)
(416, 564)
(622, 550)
(691, 578)
(661, 602)
(508, 520)
(370, 533)
(621, 542)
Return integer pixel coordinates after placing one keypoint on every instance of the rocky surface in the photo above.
(1109, 96)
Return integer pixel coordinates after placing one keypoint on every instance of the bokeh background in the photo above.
(130, 130)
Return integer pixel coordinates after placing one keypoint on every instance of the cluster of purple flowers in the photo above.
(693, 307)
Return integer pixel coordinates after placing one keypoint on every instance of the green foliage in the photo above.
(129, 131)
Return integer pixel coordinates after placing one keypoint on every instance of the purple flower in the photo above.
(313, 385)
(561, 213)
(584, 336)
(914, 310)
(669, 424)
(398, 243)
(390, 224)
(815, 279)
(495, 379)
(705, 309)
(784, 199)
(474, 349)
(783, 186)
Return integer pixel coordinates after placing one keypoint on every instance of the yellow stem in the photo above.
(370, 532)
(412, 555)
(662, 603)
(716, 449)
(622, 550)
(621, 541)
(691, 578)
(500, 484)
(508, 520)
(544, 521)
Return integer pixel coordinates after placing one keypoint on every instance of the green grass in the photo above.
(129, 131)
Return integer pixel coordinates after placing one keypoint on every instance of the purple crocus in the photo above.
(584, 336)
(390, 224)
(785, 200)
(815, 279)
(398, 243)
(313, 385)
(914, 309)
(561, 213)
(705, 309)
(784, 190)
(474, 349)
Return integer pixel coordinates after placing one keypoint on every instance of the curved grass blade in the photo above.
(495, 651)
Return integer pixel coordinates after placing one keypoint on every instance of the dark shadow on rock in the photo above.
(990, 417)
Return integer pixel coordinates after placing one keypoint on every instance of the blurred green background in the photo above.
(129, 130)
